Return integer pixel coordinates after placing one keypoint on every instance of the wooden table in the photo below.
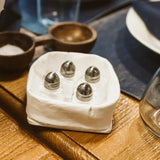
(18, 144)
(128, 140)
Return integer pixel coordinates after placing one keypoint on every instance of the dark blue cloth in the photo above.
(10, 18)
(133, 62)
(150, 13)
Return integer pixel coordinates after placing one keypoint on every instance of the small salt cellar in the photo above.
(68, 69)
(92, 74)
(84, 92)
(52, 81)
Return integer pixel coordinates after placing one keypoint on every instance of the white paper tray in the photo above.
(60, 108)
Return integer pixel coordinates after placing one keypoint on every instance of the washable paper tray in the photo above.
(60, 108)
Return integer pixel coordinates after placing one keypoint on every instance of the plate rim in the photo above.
(129, 16)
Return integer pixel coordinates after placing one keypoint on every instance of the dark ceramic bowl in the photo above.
(16, 63)
(73, 37)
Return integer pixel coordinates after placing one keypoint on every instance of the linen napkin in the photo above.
(150, 14)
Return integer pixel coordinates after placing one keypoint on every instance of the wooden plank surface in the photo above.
(17, 144)
(128, 140)
(14, 104)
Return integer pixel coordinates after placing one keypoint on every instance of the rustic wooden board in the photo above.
(17, 144)
(13, 96)
(128, 140)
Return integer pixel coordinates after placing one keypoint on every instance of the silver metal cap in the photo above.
(84, 92)
(68, 69)
(92, 74)
(52, 81)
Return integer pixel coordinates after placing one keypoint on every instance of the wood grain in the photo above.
(54, 139)
(17, 144)
(128, 140)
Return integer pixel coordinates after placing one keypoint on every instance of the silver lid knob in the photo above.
(92, 74)
(68, 69)
(84, 92)
(52, 81)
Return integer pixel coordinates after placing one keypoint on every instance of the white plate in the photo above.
(139, 31)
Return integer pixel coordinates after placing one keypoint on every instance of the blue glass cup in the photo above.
(51, 12)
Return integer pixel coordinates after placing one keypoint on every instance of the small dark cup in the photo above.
(73, 37)
(16, 63)
(19, 62)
